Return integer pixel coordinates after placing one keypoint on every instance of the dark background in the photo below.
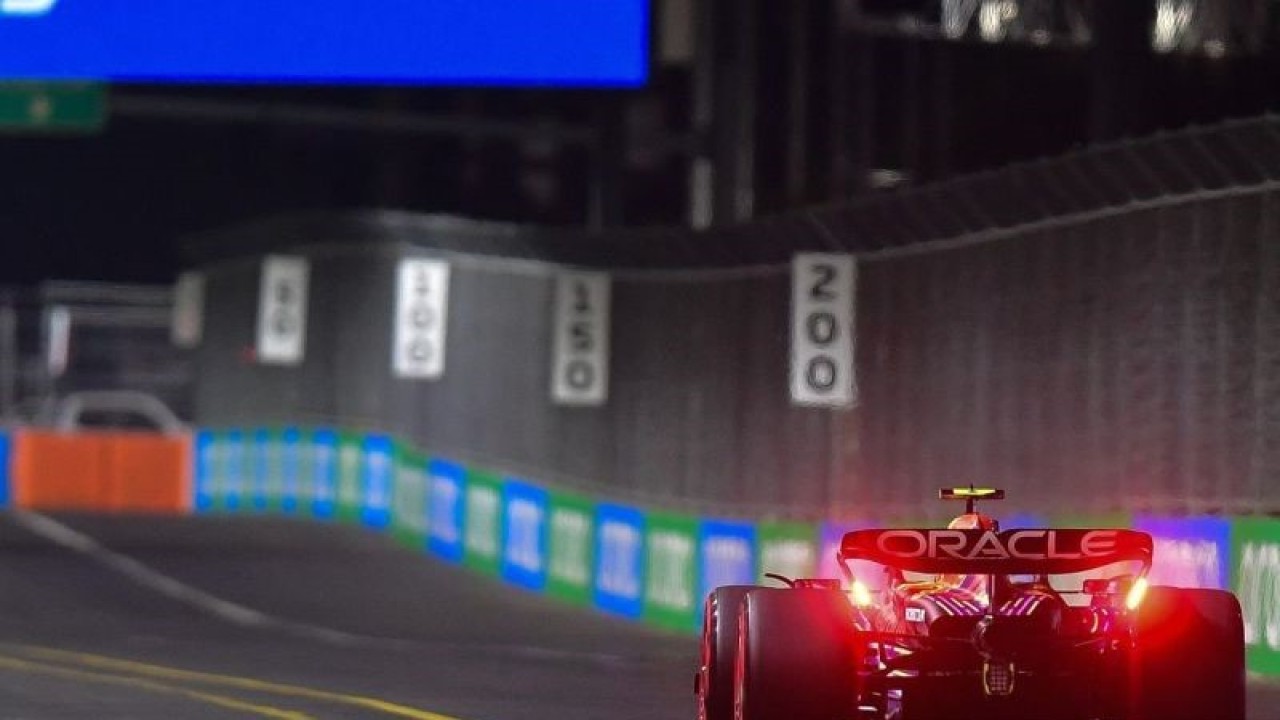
(112, 206)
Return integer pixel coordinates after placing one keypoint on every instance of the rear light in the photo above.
(860, 595)
(1136, 593)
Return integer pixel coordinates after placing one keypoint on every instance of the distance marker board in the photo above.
(282, 310)
(822, 314)
(421, 320)
(580, 361)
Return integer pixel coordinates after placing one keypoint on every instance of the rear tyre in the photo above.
(797, 656)
(714, 682)
(1188, 661)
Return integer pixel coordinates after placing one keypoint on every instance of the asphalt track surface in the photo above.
(417, 638)
(299, 621)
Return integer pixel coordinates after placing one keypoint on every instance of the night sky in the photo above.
(110, 206)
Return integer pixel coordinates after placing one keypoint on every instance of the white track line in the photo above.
(246, 617)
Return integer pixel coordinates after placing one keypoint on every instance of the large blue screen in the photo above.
(434, 42)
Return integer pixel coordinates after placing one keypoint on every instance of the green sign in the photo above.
(215, 482)
(236, 470)
(303, 484)
(52, 107)
(275, 470)
(671, 571)
(482, 522)
(350, 455)
(571, 548)
(789, 549)
(409, 498)
(1255, 562)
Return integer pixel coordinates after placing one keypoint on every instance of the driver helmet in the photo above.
(969, 521)
(974, 521)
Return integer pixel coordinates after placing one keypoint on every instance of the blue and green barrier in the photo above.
(639, 563)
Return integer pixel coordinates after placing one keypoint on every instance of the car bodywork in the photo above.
(969, 622)
(988, 624)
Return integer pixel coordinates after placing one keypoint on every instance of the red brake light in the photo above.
(860, 595)
(1136, 593)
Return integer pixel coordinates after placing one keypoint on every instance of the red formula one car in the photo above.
(974, 623)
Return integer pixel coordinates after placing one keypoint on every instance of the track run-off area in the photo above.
(211, 617)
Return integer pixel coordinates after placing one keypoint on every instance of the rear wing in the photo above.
(985, 552)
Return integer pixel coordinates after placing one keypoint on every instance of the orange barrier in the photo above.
(59, 471)
(149, 473)
(102, 472)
